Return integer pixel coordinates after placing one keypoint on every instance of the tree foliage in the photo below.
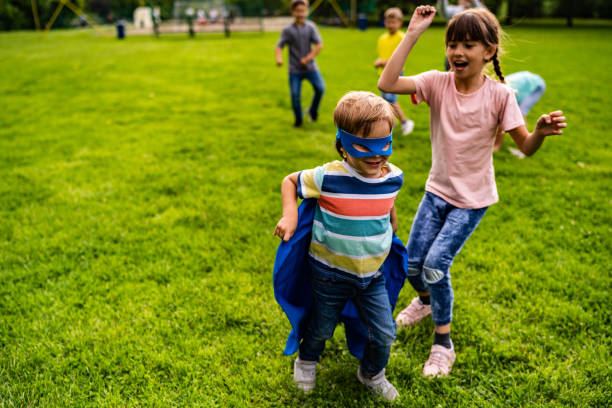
(17, 14)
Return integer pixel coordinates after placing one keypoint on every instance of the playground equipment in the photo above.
(216, 15)
(76, 10)
(143, 17)
(352, 6)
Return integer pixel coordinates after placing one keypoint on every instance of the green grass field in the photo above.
(140, 186)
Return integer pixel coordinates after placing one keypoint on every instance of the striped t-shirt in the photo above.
(351, 232)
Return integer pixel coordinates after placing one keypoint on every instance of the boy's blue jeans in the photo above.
(295, 86)
(330, 294)
(438, 233)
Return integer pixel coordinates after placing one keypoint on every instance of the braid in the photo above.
(497, 68)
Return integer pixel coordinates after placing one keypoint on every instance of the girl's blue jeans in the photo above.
(330, 294)
(438, 233)
(295, 86)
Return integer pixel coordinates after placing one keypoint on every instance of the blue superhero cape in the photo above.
(292, 283)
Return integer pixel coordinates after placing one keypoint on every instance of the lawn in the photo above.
(140, 186)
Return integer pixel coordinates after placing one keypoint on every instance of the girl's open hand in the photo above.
(421, 19)
(285, 228)
(551, 124)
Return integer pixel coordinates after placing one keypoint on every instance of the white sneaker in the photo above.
(516, 153)
(304, 373)
(379, 385)
(407, 127)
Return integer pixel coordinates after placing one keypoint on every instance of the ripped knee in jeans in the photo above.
(432, 275)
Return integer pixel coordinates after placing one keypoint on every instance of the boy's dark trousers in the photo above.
(330, 294)
(295, 86)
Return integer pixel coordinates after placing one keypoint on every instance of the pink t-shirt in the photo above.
(463, 130)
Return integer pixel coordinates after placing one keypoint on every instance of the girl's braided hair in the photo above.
(477, 25)
(497, 68)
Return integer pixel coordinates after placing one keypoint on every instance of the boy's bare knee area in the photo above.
(432, 275)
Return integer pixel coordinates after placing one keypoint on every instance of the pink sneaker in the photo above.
(414, 313)
(440, 362)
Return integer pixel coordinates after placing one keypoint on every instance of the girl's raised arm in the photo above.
(390, 80)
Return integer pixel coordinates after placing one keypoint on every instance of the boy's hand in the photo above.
(551, 124)
(380, 63)
(304, 61)
(421, 19)
(286, 227)
(278, 55)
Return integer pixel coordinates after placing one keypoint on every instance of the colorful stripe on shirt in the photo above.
(352, 231)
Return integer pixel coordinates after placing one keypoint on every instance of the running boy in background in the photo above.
(299, 36)
(528, 89)
(386, 45)
(352, 232)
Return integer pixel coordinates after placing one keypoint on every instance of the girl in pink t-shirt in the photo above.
(466, 108)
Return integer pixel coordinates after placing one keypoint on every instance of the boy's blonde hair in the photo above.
(394, 12)
(358, 110)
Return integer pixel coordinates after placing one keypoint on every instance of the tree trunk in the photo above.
(509, 12)
(570, 13)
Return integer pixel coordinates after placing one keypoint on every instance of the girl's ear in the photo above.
(490, 52)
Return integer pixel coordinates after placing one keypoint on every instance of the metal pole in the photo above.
(35, 13)
(79, 12)
(339, 12)
(314, 6)
(54, 16)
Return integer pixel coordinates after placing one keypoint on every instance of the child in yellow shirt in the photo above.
(386, 45)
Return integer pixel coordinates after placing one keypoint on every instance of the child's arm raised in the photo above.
(547, 125)
(287, 224)
(390, 80)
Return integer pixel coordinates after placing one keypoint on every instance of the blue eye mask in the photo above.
(375, 146)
